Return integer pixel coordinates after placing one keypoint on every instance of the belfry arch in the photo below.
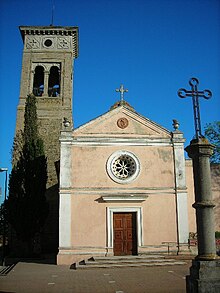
(54, 82)
(38, 84)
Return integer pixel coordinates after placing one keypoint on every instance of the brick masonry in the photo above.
(62, 51)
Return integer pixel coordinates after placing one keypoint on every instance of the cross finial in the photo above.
(195, 94)
(122, 91)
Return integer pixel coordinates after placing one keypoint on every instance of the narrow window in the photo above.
(54, 82)
(38, 86)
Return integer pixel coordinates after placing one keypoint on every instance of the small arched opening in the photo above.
(54, 82)
(38, 85)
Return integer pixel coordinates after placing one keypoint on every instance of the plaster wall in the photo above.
(89, 219)
(90, 172)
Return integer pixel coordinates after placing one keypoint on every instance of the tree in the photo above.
(212, 132)
(26, 206)
(3, 223)
(17, 147)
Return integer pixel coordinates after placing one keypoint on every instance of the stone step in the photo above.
(4, 270)
(127, 261)
(126, 265)
(120, 262)
(110, 262)
(127, 257)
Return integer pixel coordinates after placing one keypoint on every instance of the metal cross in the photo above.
(122, 91)
(195, 94)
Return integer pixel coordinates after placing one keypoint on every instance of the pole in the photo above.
(205, 270)
(4, 220)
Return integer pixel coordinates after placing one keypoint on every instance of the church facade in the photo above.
(122, 187)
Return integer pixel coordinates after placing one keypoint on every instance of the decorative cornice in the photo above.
(117, 191)
(94, 141)
(53, 30)
(124, 198)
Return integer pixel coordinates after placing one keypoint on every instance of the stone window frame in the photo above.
(110, 167)
(110, 231)
(47, 67)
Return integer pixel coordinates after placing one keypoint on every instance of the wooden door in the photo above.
(125, 233)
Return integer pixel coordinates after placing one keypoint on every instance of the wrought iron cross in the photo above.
(195, 94)
(122, 91)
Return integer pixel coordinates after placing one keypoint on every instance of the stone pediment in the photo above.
(121, 122)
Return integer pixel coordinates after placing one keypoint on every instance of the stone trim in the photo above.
(65, 220)
(111, 210)
(53, 31)
(128, 141)
(65, 166)
(180, 187)
(134, 172)
(124, 198)
(123, 191)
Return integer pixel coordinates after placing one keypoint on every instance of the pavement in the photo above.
(30, 277)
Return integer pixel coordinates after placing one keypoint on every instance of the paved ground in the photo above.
(40, 278)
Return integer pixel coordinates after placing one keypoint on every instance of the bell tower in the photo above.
(47, 72)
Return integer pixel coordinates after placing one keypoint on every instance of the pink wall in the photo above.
(156, 166)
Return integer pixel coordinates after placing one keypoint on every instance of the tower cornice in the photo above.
(53, 30)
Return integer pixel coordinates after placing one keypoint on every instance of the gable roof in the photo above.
(108, 125)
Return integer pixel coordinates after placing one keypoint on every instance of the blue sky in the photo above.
(153, 47)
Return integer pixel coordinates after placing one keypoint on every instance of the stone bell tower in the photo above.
(47, 72)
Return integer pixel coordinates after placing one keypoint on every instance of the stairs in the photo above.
(125, 262)
(4, 270)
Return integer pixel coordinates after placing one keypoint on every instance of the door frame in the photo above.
(110, 232)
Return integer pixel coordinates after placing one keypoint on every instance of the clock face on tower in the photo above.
(123, 167)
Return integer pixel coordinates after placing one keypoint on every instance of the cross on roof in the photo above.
(195, 94)
(122, 91)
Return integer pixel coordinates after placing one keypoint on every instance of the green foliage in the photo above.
(17, 147)
(217, 234)
(33, 145)
(26, 205)
(212, 132)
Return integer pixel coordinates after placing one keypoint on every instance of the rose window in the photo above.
(123, 167)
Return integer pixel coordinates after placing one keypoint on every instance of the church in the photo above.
(122, 186)
(117, 185)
